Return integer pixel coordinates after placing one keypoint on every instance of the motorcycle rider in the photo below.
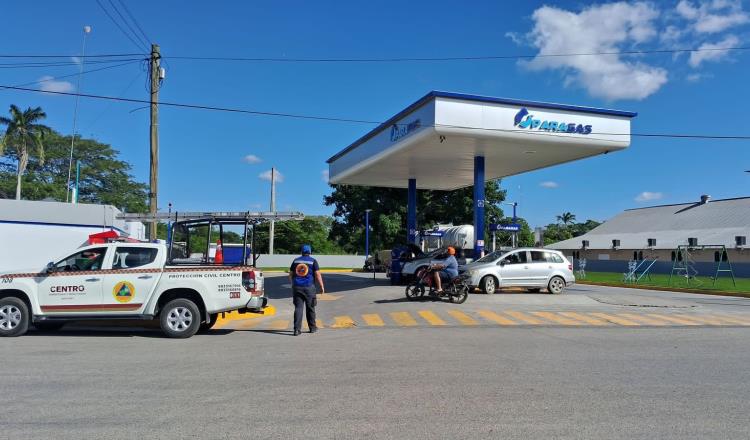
(447, 270)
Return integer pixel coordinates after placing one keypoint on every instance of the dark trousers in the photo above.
(304, 296)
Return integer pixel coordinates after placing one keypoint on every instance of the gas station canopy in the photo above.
(447, 141)
(436, 139)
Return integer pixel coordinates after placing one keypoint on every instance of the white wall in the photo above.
(339, 261)
(31, 246)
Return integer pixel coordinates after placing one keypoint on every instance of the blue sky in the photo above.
(202, 153)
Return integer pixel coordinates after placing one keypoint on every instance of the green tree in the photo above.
(104, 178)
(290, 235)
(22, 131)
(566, 218)
(388, 216)
(579, 229)
(555, 232)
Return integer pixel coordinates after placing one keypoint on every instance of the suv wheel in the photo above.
(14, 316)
(556, 285)
(488, 284)
(180, 318)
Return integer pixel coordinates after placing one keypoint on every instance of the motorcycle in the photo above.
(455, 290)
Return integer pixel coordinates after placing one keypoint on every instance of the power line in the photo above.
(127, 23)
(34, 65)
(54, 78)
(109, 104)
(363, 121)
(118, 25)
(398, 59)
(127, 11)
(116, 55)
(462, 58)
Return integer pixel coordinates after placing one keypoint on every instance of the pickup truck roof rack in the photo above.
(220, 218)
(238, 216)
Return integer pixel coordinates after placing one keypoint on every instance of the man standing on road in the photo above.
(303, 273)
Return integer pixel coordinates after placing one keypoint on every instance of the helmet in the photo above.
(451, 250)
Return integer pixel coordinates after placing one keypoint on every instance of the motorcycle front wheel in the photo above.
(460, 295)
(414, 291)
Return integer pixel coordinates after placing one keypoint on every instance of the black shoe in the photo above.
(297, 333)
(313, 329)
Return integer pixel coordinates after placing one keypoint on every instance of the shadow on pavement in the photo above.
(272, 332)
(278, 287)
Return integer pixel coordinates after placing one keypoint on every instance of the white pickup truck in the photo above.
(127, 281)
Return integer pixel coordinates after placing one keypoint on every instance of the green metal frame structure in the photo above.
(684, 264)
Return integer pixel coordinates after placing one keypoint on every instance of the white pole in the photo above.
(86, 31)
(273, 209)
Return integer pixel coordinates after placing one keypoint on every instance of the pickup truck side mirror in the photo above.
(50, 267)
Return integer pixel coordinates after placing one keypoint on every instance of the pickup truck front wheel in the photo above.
(180, 318)
(14, 316)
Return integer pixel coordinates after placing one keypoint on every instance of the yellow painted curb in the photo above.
(227, 317)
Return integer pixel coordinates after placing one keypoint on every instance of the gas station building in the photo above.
(446, 141)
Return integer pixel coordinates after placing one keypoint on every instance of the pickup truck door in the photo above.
(135, 270)
(75, 286)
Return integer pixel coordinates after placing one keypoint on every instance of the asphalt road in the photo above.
(423, 381)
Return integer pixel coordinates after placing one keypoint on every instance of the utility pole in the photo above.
(86, 31)
(155, 72)
(273, 209)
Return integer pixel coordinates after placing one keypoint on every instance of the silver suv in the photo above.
(534, 269)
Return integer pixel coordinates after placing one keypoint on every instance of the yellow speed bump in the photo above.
(403, 318)
(431, 317)
(373, 320)
(343, 322)
(463, 318)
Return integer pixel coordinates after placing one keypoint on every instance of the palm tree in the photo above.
(566, 218)
(23, 130)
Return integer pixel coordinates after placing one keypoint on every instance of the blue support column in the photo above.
(411, 212)
(478, 206)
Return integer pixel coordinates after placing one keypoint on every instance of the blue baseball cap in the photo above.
(306, 249)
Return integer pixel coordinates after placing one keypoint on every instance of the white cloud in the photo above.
(608, 27)
(266, 175)
(647, 196)
(252, 159)
(696, 58)
(48, 84)
(695, 77)
(324, 176)
(549, 184)
(710, 17)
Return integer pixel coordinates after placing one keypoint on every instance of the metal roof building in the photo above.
(716, 222)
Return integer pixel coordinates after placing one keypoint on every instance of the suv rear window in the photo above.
(545, 257)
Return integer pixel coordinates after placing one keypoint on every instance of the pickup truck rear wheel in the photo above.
(180, 318)
(14, 316)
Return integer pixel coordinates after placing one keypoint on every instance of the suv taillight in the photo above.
(570, 267)
(248, 281)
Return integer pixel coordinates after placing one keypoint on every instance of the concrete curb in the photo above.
(227, 317)
(668, 289)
